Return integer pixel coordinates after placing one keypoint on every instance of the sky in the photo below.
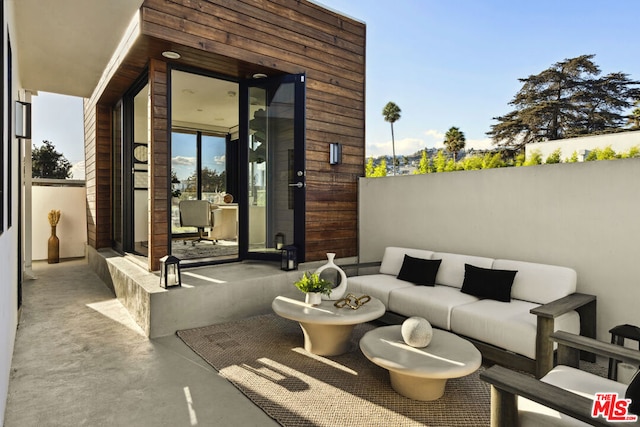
(445, 63)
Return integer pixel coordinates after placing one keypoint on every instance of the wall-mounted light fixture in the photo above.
(23, 120)
(335, 153)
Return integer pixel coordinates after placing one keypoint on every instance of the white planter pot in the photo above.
(313, 298)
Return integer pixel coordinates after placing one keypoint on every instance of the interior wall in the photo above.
(579, 215)
(9, 237)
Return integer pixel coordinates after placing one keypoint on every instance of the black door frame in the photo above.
(271, 85)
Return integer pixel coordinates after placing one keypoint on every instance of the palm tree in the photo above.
(454, 141)
(391, 113)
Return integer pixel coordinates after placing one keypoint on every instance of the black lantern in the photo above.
(289, 258)
(278, 242)
(170, 271)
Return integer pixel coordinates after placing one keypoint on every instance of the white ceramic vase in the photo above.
(339, 291)
(313, 298)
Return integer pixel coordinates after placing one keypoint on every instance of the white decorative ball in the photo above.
(417, 332)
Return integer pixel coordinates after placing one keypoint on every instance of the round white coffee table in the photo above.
(327, 329)
(420, 373)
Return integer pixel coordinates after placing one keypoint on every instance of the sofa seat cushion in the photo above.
(433, 303)
(573, 380)
(507, 325)
(394, 257)
(375, 285)
(451, 270)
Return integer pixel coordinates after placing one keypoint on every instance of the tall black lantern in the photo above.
(170, 271)
(278, 242)
(289, 258)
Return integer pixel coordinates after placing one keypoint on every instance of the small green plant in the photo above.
(311, 282)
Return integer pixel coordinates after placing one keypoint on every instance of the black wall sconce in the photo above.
(23, 120)
(335, 153)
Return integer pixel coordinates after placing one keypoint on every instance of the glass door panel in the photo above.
(184, 176)
(275, 175)
(140, 171)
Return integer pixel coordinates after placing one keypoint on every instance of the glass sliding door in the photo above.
(130, 171)
(139, 153)
(275, 184)
(204, 119)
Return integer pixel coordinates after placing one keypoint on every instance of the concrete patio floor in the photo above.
(80, 360)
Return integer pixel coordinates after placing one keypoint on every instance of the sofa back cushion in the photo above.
(539, 283)
(451, 271)
(394, 256)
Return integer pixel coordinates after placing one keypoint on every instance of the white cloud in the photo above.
(479, 144)
(183, 161)
(403, 147)
(433, 139)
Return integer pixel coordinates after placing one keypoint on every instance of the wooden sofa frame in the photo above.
(506, 384)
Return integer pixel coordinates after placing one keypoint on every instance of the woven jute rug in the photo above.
(264, 358)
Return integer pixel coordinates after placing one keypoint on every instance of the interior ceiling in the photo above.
(64, 45)
(201, 100)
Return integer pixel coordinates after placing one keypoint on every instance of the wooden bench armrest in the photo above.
(507, 384)
(563, 305)
(569, 346)
(584, 304)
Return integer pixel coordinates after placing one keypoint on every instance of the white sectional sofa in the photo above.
(513, 333)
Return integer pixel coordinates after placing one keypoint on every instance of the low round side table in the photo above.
(420, 373)
(326, 328)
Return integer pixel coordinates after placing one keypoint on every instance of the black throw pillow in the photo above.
(488, 283)
(419, 271)
(633, 393)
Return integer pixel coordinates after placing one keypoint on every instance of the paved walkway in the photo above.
(80, 360)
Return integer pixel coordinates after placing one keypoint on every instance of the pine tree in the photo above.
(568, 99)
(48, 163)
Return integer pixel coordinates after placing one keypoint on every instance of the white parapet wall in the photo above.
(70, 198)
(619, 142)
(581, 215)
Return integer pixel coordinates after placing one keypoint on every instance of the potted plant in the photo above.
(313, 286)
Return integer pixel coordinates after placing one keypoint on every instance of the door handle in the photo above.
(297, 184)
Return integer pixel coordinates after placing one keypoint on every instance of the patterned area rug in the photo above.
(264, 358)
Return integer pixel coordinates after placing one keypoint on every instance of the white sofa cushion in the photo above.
(375, 285)
(571, 379)
(507, 325)
(541, 283)
(393, 258)
(433, 303)
(451, 271)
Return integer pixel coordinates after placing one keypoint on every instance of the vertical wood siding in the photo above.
(159, 164)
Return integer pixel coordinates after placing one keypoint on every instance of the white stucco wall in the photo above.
(582, 215)
(619, 142)
(8, 239)
(72, 228)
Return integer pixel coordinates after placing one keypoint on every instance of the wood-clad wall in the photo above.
(97, 127)
(291, 36)
(159, 164)
(237, 38)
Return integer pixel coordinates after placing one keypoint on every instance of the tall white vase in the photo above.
(339, 291)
